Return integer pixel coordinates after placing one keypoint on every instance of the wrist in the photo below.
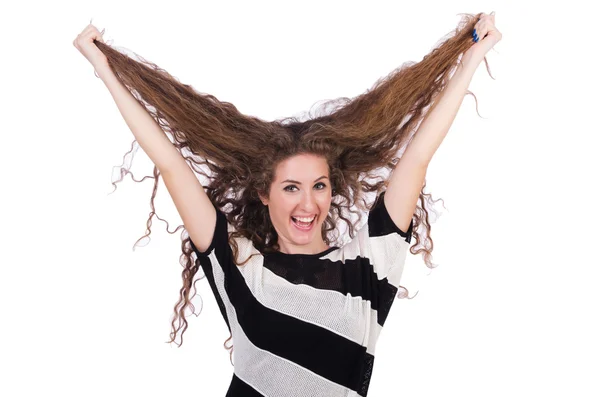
(470, 62)
(472, 59)
(102, 70)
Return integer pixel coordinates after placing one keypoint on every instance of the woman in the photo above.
(304, 309)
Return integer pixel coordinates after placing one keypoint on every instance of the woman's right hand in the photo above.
(84, 42)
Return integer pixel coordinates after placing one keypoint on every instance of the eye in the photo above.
(321, 183)
(288, 190)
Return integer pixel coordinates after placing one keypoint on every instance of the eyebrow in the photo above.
(300, 183)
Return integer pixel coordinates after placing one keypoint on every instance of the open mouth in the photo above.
(304, 223)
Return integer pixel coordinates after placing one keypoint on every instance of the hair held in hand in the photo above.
(237, 154)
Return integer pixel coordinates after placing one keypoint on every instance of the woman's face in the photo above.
(301, 189)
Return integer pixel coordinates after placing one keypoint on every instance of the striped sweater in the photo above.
(307, 324)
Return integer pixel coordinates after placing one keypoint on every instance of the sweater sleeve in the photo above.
(219, 243)
(217, 264)
(382, 242)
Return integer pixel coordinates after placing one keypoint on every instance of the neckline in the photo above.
(328, 250)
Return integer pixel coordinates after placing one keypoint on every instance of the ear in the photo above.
(264, 200)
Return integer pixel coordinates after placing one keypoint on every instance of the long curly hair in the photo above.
(237, 154)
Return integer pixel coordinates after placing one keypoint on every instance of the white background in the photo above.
(512, 308)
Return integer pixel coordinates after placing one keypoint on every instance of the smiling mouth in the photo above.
(303, 224)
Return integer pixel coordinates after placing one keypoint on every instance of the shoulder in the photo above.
(380, 222)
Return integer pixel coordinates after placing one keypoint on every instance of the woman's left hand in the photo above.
(485, 36)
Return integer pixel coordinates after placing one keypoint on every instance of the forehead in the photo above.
(302, 166)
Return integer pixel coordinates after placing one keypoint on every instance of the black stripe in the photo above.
(239, 388)
(315, 348)
(381, 223)
(224, 253)
(355, 277)
(210, 277)
(368, 362)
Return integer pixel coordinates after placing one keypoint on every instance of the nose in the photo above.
(308, 203)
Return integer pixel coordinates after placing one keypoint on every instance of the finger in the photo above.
(483, 19)
(477, 31)
(91, 29)
(483, 30)
(94, 35)
(98, 35)
(87, 37)
(482, 26)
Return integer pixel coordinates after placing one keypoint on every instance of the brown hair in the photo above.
(359, 137)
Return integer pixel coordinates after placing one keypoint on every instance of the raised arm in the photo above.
(194, 206)
(407, 178)
(192, 203)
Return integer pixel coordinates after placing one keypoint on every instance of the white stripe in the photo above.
(345, 315)
(271, 375)
(386, 253)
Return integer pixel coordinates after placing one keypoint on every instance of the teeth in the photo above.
(305, 219)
